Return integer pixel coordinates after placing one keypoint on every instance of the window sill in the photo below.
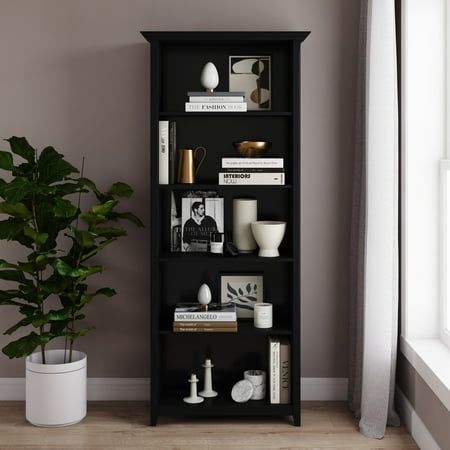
(431, 359)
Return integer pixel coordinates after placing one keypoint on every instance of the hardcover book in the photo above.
(274, 369)
(285, 371)
(215, 99)
(232, 163)
(216, 94)
(163, 152)
(256, 178)
(216, 107)
(216, 312)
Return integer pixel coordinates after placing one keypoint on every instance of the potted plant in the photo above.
(39, 206)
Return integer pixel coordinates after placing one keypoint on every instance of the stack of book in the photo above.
(262, 171)
(279, 370)
(216, 102)
(219, 318)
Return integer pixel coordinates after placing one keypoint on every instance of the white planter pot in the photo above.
(268, 235)
(56, 392)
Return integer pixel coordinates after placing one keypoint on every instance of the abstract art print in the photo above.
(252, 75)
(242, 290)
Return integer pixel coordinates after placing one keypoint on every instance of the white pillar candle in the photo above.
(262, 317)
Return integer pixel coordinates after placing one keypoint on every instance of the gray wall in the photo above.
(427, 405)
(74, 74)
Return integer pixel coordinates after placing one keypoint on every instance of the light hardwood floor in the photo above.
(124, 425)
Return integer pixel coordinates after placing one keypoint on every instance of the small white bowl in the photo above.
(268, 235)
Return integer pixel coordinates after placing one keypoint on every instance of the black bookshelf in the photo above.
(176, 59)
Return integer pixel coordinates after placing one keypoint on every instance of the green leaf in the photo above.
(64, 208)
(14, 275)
(127, 216)
(27, 344)
(52, 167)
(6, 265)
(95, 250)
(93, 219)
(6, 161)
(75, 335)
(17, 190)
(104, 208)
(120, 190)
(109, 232)
(22, 323)
(15, 209)
(84, 238)
(52, 316)
(39, 238)
(21, 147)
(65, 269)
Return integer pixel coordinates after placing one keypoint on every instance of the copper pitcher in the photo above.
(189, 163)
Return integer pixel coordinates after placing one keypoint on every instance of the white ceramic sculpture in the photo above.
(204, 295)
(268, 235)
(244, 213)
(193, 397)
(209, 77)
(207, 388)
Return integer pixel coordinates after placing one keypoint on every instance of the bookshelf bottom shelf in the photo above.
(220, 406)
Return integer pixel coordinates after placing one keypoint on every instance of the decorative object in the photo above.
(207, 388)
(251, 149)
(242, 391)
(263, 315)
(258, 380)
(242, 290)
(216, 243)
(193, 397)
(268, 235)
(204, 295)
(209, 77)
(189, 165)
(232, 249)
(252, 74)
(56, 390)
(245, 211)
(200, 218)
(37, 196)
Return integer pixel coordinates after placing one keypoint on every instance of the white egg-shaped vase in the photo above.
(209, 77)
(56, 392)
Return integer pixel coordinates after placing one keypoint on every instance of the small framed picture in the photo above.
(251, 75)
(244, 290)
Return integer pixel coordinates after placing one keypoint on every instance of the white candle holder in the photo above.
(207, 388)
(262, 317)
(193, 397)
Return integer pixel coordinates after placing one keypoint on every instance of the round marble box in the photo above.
(258, 380)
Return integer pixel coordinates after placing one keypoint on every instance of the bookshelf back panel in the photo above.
(182, 65)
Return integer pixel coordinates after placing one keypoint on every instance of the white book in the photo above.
(252, 163)
(274, 367)
(251, 178)
(216, 107)
(163, 152)
(215, 313)
(216, 99)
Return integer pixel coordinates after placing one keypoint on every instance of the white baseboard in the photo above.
(414, 424)
(313, 389)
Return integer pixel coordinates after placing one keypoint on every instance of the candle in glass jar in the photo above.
(263, 315)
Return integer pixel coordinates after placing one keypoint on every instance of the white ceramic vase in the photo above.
(209, 77)
(55, 392)
(245, 211)
(268, 235)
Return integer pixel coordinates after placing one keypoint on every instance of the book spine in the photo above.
(215, 107)
(285, 371)
(173, 151)
(261, 178)
(230, 324)
(216, 99)
(204, 317)
(244, 163)
(274, 349)
(216, 94)
(253, 170)
(205, 330)
(163, 152)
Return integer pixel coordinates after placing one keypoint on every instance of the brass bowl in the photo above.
(251, 149)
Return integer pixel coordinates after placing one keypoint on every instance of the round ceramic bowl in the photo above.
(251, 149)
(268, 235)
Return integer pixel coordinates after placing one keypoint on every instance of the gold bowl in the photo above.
(251, 149)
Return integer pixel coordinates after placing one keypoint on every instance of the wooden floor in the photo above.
(124, 425)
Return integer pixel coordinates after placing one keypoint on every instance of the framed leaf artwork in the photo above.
(242, 290)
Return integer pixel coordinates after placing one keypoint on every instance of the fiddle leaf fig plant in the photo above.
(37, 209)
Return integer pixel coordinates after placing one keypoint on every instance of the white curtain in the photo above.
(375, 275)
